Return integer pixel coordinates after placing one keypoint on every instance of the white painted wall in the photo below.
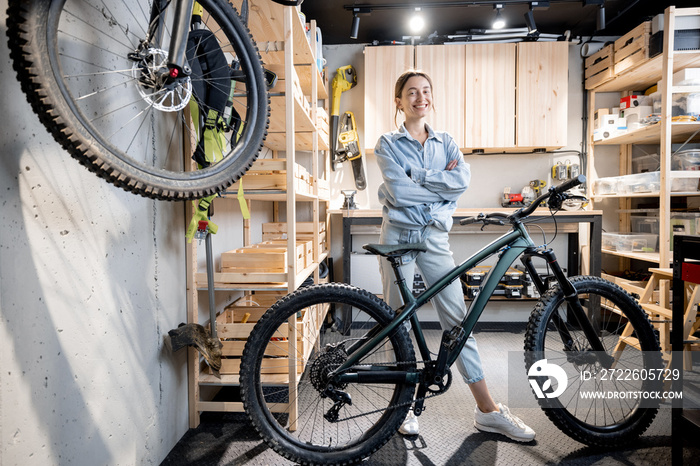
(91, 279)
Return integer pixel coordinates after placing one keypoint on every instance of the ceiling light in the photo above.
(355, 29)
(530, 21)
(600, 21)
(417, 23)
(499, 22)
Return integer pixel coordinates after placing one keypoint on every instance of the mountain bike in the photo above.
(113, 82)
(353, 383)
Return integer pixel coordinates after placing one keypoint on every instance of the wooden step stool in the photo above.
(655, 300)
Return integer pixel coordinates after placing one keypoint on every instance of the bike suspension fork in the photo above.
(178, 43)
(572, 300)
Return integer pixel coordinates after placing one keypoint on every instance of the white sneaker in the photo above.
(410, 424)
(503, 422)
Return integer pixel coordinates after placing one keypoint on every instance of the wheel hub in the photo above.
(150, 71)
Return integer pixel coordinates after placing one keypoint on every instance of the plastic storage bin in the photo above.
(649, 182)
(686, 160)
(630, 242)
(681, 185)
(607, 185)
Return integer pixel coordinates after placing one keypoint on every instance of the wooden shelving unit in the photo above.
(644, 74)
(297, 123)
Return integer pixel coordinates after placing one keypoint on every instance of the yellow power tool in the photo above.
(345, 133)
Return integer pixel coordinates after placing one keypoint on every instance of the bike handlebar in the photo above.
(495, 218)
(556, 192)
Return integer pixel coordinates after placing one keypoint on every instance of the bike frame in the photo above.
(510, 246)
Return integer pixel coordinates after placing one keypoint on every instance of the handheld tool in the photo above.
(351, 149)
(196, 335)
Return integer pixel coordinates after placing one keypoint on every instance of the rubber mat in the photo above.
(447, 435)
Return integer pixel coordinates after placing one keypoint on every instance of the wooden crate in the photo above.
(234, 334)
(599, 67)
(271, 175)
(632, 49)
(265, 257)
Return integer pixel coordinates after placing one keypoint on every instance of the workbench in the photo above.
(566, 222)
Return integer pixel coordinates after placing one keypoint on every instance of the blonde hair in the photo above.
(401, 83)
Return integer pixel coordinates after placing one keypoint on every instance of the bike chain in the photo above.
(407, 403)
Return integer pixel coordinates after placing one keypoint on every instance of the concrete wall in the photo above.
(91, 279)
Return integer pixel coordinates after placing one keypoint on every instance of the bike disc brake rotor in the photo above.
(168, 97)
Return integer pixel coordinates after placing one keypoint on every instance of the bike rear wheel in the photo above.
(76, 62)
(374, 411)
(626, 333)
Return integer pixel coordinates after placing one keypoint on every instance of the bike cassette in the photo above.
(324, 365)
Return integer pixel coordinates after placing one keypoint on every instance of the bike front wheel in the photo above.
(92, 72)
(302, 419)
(589, 409)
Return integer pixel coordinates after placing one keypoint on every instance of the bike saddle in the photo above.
(395, 250)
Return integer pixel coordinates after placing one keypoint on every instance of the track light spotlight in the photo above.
(600, 22)
(530, 21)
(499, 22)
(355, 29)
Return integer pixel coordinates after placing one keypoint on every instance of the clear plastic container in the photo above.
(607, 185)
(646, 163)
(630, 242)
(683, 185)
(649, 182)
(686, 160)
(644, 224)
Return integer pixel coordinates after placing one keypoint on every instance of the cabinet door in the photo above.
(383, 65)
(445, 66)
(490, 96)
(542, 94)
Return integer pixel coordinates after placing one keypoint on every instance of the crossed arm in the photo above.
(421, 185)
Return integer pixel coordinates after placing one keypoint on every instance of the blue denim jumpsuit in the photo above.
(419, 197)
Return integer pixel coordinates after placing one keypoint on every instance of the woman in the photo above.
(424, 175)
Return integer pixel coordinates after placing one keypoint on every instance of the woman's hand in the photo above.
(451, 164)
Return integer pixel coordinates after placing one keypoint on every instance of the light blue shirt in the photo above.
(417, 190)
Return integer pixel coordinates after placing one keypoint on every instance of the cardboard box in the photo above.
(629, 101)
(687, 77)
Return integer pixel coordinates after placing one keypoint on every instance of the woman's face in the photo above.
(416, 98)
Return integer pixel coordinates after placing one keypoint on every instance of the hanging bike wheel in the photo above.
(88, 75)
(298, 420)
(627, 335)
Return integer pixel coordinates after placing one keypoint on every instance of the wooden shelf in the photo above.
(642, 256)
(302, 141)
(269, 195)
(302, 120)
(253, 280)
(652, 134)
(648, 73)
(266, 23)
(281, 39)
